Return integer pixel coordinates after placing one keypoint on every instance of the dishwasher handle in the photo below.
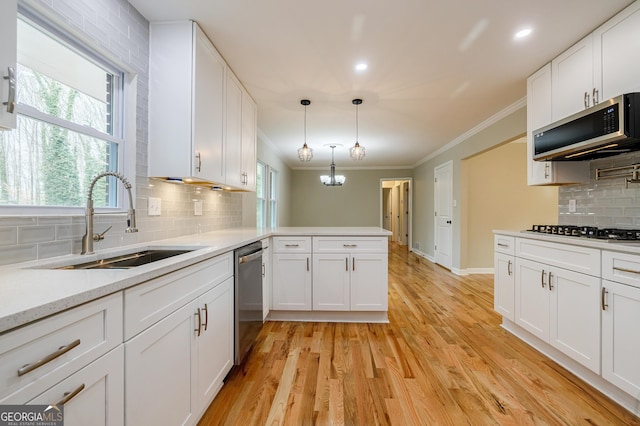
(250, 257)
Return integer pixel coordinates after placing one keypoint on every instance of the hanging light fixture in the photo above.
(332, 179)
(305, 153)
(356, 152)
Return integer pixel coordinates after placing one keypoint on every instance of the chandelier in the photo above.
(332, 179)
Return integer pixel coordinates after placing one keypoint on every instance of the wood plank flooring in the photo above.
(442, 360)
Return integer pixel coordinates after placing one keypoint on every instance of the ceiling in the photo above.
(436, 69)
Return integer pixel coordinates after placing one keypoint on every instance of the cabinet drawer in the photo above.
(70, 340)
(621, 267)
(504, 244)
(149, 302)
(292, 244)
(575, 258)
(351, 245)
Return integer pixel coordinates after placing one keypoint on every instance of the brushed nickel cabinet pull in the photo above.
(61, 351)
(349, 245)
(603, 301)
(264, 270)
(199, 166)
(197, 314)
(509, 268)
(550, 285)
(586, 100)
(546, 171)
(353, 263)
(631, 271)
(542, 279)
(68, 396)
(292, 245)
(307, 264)
(206, 317)
(595, 96)
(11, 99)
(346, 263)
(503, 245)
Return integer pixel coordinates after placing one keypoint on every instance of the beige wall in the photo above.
(495, 191)
(510, 126)
(357, 203)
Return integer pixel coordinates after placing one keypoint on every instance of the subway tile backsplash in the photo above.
(603, 203)
(117, 27)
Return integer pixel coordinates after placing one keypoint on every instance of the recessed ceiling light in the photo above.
(523, 33)
(361, 66)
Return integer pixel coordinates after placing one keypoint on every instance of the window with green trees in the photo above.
(68, 126)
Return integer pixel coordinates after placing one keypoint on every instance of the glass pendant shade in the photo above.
(305, 154)
(357, 152)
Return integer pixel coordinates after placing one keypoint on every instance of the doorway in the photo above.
(396, 207)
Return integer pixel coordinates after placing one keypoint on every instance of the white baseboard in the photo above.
(457, 271)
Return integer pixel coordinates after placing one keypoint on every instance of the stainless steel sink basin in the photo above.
(127, 261)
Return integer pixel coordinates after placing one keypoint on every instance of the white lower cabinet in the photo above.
(620, 336)
(94, 395)
(214, 346)
(291, 287)
(175, 367)
(560, 307)
(504, 285)
(159, 370)
(369, 283)
(331, 282)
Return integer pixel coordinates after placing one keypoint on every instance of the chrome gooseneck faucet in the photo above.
(89, 237)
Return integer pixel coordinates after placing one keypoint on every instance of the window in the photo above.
(261, 195)
(273, 198)
(266, 196)
(69, 126)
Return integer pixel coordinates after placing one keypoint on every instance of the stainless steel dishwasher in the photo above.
(248, 298)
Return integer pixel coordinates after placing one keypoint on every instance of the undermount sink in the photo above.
(127, 261)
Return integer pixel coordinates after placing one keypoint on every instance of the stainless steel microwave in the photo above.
(610, 128)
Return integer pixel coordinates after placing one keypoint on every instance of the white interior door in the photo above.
(404, 213)
(443, 191)
(394, 213)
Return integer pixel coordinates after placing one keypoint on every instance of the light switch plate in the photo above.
(197, 208)
(154, 206)
(572, 206)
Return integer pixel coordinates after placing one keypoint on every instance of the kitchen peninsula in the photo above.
(102, 336)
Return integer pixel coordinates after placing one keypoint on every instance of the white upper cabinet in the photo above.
(249, 150)
(601, 66)
(233, 132)
(8, 54)
(617, 66)
(186, 103)
(198, 122)
(572, 78)
(539, 114)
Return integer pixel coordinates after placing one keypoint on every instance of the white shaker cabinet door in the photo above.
(620, 336)
(504, 285)
(159, 372)
(331, 282)
(291, 286)
(94, 395)
(369, 283)
(532, 298)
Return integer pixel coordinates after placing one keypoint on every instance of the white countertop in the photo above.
(629, 247)
(30, 291)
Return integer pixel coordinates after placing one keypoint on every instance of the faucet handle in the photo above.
(98, 237)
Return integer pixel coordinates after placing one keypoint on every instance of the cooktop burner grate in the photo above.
(611, 234)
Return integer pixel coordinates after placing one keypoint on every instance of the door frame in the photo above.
(448, 164)
(410, 198)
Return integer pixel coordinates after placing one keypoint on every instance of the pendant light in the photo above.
(332, 179)
(356, 152)
(305, 154)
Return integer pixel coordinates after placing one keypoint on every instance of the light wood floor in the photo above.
(442, 360)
